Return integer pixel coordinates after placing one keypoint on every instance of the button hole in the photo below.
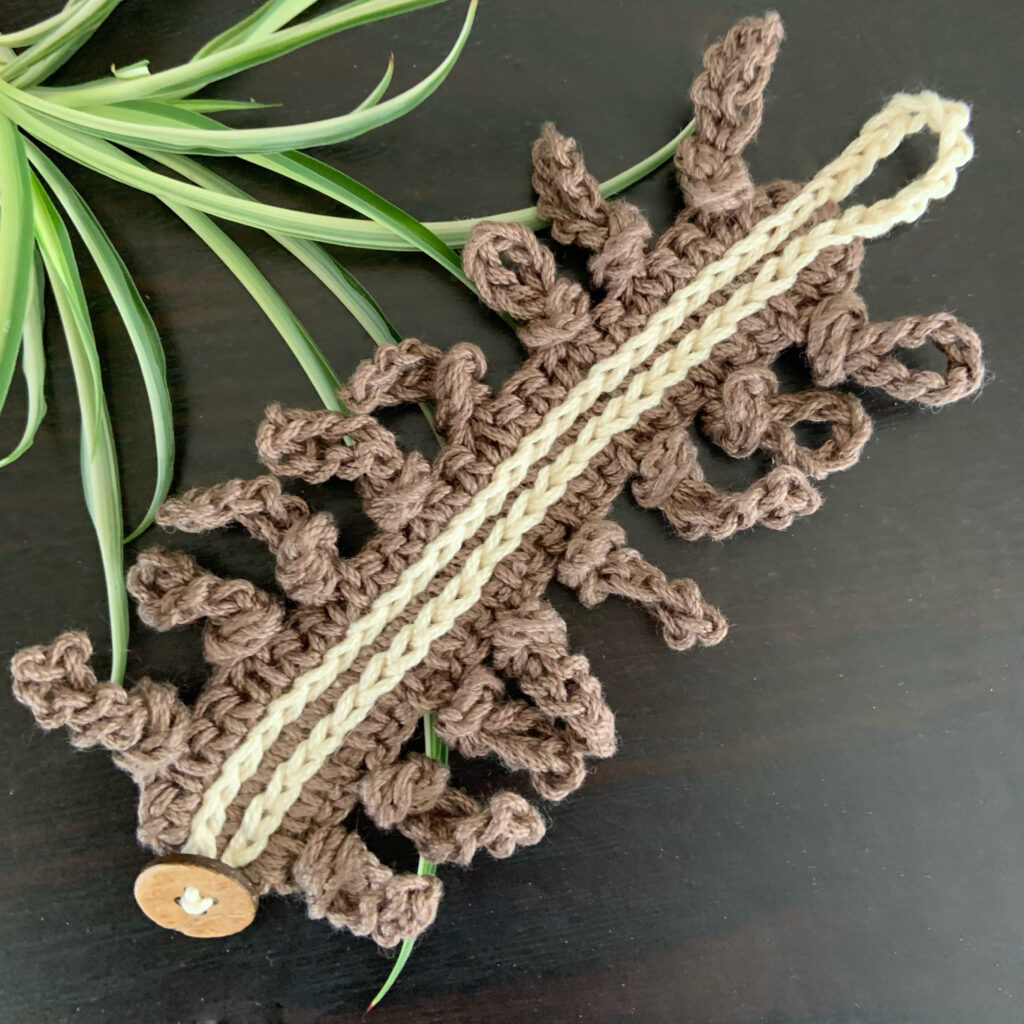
(192, 902)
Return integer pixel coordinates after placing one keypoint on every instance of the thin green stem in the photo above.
(456, 232)
(436, 748)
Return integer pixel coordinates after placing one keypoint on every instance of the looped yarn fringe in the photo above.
(313, 697)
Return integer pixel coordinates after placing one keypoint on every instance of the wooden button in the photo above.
(168, 888)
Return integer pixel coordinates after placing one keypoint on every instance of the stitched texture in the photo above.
(313, 698)
(385, 670)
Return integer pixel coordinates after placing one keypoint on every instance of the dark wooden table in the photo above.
(820, 820)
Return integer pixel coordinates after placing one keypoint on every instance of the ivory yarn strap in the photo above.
(904, 115)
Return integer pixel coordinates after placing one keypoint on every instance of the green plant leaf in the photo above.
(343, 285)
(332, 274)
(404, 952)
(15, 248)
(33, 33)
(261, 23)
(138, 324)
(288, 325)
(188, 78)
(348, 231)
(33, 362)
(381, 87)
(216, 106)
(137, 70)
(323, 178)
(57, 46)
(112, 162)
(119, 126)
(100, 483)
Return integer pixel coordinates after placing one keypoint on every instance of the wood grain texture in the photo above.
(160, 887)
(821, 820)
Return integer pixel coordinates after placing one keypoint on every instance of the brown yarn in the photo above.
(257, 644)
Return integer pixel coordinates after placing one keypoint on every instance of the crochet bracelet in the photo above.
(904, 115)
(316, 692)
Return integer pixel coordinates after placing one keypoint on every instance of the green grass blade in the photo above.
(189, 78)
(112, 162)
(100, 483)
(345, 287)
(33, 363)
(403, 953)
(138, 69)
(352, 295)
(433, 744)
(15, 248)
(347, 231)
(323, 178)
(381, 87)
(436, 748)
(335, 277)
(217, 106)
(650, 163)
(33, 33)
(137, 321)
(118, 124)
(262, 22)
(41, 59)
(288, 325)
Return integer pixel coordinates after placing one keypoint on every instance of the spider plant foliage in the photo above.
(138, 112)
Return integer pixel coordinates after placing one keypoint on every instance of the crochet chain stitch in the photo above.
(903, 115)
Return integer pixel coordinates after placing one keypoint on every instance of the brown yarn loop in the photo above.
(459, 826)
(392, 792)
(396, 374)
(597, 564)
(145, 728)
(348, 886)
(512, 270)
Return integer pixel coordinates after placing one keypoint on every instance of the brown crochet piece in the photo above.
(258, 643)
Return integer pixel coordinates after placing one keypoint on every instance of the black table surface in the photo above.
(821, 819)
